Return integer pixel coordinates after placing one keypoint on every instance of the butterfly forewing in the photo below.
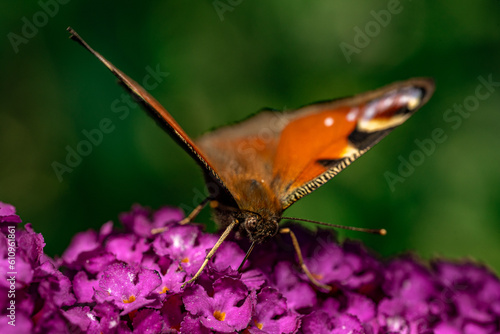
(325, 138)
(243, 155)
(282, 156)
(155, 110)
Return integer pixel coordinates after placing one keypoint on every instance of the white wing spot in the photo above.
(387, 102)
(351, 116)
(404, 99)
(370, 111)
(328, 121)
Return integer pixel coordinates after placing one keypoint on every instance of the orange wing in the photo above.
(325, 138)
(243, 155)
(156, 110)
(282, 156)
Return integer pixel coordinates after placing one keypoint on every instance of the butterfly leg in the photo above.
(195, 212)
(301, 260)
(212, 252)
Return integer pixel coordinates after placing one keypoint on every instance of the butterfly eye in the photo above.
(252, 223)
(259, 228)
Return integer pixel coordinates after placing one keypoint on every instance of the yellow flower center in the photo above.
(219, 315)
(185, 260)
(258, 324)
(164, 290)
(129, 300)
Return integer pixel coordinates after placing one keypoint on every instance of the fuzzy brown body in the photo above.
(259, 220)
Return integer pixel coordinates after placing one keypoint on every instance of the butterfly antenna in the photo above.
(381, 231)
(246, 256)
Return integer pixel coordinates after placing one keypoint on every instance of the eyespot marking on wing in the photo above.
(390, 110)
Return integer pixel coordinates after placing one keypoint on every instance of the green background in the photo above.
(280, 54)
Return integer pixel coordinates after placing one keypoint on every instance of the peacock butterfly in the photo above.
(257, 168)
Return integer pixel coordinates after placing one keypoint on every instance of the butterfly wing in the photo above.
(243, 155)
(157, 111)
(275, 158)
(325, 138)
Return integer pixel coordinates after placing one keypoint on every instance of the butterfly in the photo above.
(254, 170)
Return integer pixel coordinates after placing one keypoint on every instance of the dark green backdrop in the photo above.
(227, 59)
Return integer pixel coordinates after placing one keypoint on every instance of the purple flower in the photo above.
(408, 280)
(81, 243)
(271, 314)
(128, 288)
(192, 325)
(185, 244)
(32, 245)
(84, 287)
(298, 292)
(409, 287)
(171, 273)
(173, 313)
(128, 248)
(54, 287)
(109, 318)
(8, 214)
(148, 321)
(22, 265)
(226, 262)
(347, 266)
(23, 324)
(141, 221)
(470, 296)
(229, 309)
(358, 305)
(319, 322)
(82, 318)
(131, 281)
(50, 320)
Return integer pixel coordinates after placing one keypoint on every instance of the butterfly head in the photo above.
(258, 227)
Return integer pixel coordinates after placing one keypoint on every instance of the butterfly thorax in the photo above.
(255, 209)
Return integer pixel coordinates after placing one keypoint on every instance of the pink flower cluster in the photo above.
(129, 281)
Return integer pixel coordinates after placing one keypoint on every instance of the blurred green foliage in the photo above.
(263, 53)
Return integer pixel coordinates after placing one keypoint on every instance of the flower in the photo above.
(8, 214)
(227, 309)
(130, 280)
(127, 287)
(272, 315)
(319, 322)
